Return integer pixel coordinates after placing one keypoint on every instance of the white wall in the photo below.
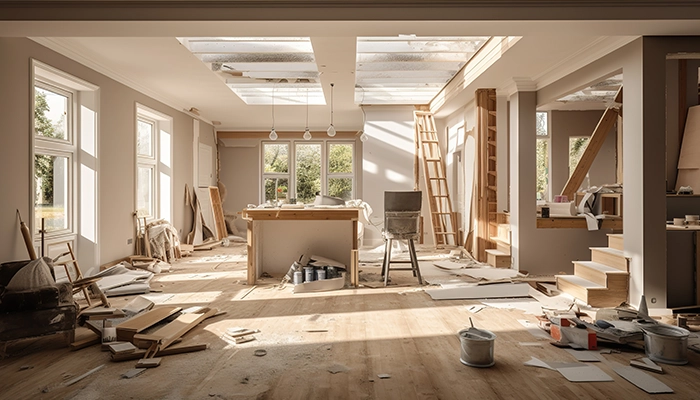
(388, 162)
(240, 173)
(116, 178)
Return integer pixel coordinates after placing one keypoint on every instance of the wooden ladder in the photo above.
(441, 215)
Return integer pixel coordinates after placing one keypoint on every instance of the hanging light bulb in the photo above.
(331, 128)
(273, 134)
(307, 133)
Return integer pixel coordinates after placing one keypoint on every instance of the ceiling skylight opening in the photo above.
(252, 66)
(409, 69)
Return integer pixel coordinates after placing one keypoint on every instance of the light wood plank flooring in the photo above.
(357, 333)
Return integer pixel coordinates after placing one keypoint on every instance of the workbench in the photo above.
(279, 236)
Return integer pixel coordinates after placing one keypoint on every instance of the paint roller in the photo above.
(27, 237)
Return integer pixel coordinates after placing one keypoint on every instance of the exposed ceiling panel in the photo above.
(602, 92)
(406, 69)
(261, 71)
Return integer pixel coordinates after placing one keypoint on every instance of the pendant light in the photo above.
(307, 134)
(273, 134)
(331, 128)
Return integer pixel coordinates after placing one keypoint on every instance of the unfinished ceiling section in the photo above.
(602, 92)
(409, 69)
(263, 70)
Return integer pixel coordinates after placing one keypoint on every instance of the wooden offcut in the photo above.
(179, 349)
(127, 329)
(217, 208)
(168, 334)
(607, 121)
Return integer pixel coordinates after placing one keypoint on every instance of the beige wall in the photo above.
(240, 173)
(116, 143)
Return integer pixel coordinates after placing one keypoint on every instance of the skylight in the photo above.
(256, 68)
(601, 92)
(409, 69)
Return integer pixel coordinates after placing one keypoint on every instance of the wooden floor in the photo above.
(356, 333)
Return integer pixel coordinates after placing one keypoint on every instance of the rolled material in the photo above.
(567, 209)
(27, 237)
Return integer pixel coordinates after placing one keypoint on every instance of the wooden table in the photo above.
(277, 237)
(578, 222)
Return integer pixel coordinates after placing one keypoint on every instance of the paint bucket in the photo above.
(666, 344)
(320, 274)
(477, 347)
(679, 221)
(298, 277)
(109, 334)
(308, 274)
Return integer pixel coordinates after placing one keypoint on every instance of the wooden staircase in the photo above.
(441, 216)
(500, 256)
(603, 281)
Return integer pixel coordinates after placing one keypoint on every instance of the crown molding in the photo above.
(80, 55)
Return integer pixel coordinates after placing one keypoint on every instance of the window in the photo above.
(577, 145)
(54, 152)
(340, 170)
(153, 169)
(275, 171)
(542, 158)
(300, 169)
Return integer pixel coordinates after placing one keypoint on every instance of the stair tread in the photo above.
(496, 252)
(497, 239)
(578, 281)
(618, 235)
(601, 267)
(609, 250)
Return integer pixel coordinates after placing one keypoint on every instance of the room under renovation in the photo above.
(345, 200)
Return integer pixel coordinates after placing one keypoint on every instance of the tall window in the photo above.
(54, 153)
(275, 171)
(300, 169)
(542, 158)
(153, 165)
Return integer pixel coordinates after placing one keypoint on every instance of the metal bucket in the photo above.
(666, 344)
(477, 347)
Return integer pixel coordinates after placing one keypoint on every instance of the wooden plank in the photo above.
(217, 207)
(127, 329)
(594, 144)
(330, 214)
(181, 349)
(85, 341)
(175, 329)
(576, 223)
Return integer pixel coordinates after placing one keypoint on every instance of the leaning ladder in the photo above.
(441, 215)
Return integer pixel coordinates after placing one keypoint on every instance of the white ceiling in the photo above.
(148, 57)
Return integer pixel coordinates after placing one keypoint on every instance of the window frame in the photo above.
(275, 175)
(291, 167)
(56, 147)
(161, 124)
(548, 139)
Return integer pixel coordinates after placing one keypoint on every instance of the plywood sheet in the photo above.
(461, 291)
(690, 148)
(218, 209)
(585, 373)
(688, 177)
(204, 199)
(642, 380)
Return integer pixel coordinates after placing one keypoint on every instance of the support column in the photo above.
(523, 107)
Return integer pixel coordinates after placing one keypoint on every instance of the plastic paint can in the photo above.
(320, 274)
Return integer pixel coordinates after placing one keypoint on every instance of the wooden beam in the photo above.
(576, 223)
(344, 135)
(594, 144)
